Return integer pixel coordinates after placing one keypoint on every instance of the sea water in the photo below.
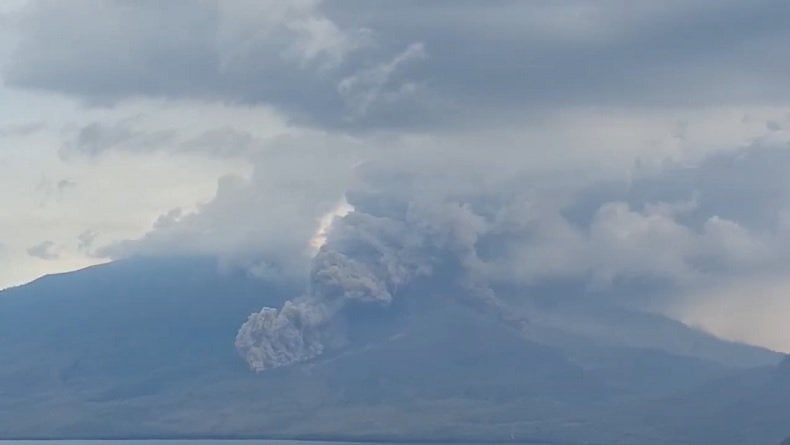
(225, 442)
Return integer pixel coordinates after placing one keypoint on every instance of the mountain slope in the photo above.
(145, 348)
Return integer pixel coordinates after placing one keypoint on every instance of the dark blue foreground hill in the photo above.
(144, 348)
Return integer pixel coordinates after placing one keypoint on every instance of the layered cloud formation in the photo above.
(641, 244)
(372, 63)
(612, 149)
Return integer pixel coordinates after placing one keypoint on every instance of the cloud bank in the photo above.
(634, 152)
(373, 64)
(641, 244)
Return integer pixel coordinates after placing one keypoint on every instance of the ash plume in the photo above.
(367, 258)
(361, 262)
(272, 338)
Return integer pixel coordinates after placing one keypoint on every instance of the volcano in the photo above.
(145, 348)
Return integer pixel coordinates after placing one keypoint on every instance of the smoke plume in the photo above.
(474, 240)
(363, 261)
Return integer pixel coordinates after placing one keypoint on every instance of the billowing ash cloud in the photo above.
(339, 277)
(272, 338)
(481, 237)
(303, 327)
(364, 261)
(386, 245)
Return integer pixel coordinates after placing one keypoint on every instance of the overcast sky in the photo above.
(604, 142)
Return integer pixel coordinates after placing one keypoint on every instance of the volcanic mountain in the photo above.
(145, 348)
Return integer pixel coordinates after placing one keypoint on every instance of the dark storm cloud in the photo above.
(748, 185)
(474, 57)
(286, 54)
(107, 50)
(537, 54)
